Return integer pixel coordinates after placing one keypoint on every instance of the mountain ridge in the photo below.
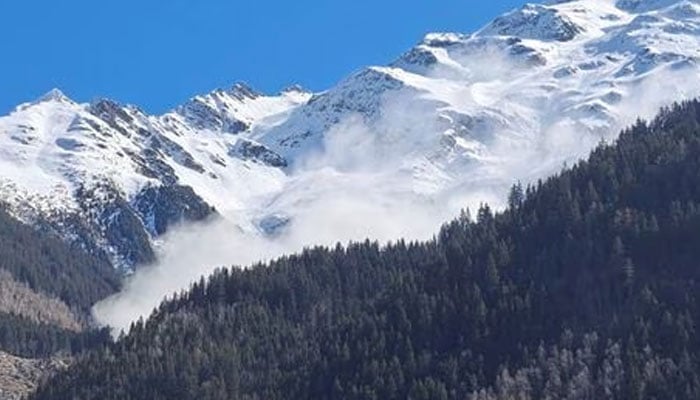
(584, 287)
(561, 76)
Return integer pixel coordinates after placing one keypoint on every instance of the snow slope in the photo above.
(452, 122)
(115, 178)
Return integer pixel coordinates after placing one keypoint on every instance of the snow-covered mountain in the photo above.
(455, 120)
(115, 178)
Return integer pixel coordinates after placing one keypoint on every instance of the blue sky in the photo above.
(159, 53)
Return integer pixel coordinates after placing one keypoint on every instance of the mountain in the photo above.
(113, 178)
(585, 287)
(89, 190)
(456, 118)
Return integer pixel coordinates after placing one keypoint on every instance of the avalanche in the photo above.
(452, 122)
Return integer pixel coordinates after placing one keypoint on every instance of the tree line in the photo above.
(66, 277)
(585, 287)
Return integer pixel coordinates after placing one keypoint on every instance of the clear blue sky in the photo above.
(158, 53)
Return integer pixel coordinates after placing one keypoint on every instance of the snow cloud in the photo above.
(402, 174)
(360, 185)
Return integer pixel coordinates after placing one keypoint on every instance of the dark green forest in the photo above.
(586, 287)
(25, 338)
(49, 265)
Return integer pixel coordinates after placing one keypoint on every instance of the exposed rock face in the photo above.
(535, 22)
(217, 110)
(249, 150)
(163, 206)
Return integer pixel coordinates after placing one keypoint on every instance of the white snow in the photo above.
(454, 121)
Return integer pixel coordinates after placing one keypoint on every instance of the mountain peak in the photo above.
(294, 89)
(242, 90)
(534, 21)
(53, 95)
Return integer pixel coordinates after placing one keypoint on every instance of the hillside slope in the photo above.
(455, 119)
(19, 377)
(47, 288)
(585, 287)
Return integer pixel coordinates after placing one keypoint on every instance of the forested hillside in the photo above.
(47, 287)
(48, 264)
(585, 288)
